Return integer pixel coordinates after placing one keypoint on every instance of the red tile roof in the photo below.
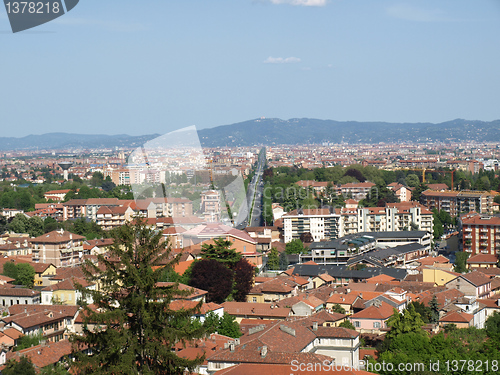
(373, 312)
(44, 355)
(57, 237)
(249, 309)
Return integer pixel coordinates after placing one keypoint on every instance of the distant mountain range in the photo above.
(313, 131)
(276, 131)
(66, 141)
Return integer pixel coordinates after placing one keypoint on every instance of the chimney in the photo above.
(263, 351)
(315, 326)
(2, 325)
(361, 295)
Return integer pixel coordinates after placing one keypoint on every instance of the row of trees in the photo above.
(36, 226)
(408, 343)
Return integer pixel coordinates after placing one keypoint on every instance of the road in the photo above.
(254, 195)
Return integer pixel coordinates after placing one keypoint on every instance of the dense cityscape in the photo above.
(341, 251)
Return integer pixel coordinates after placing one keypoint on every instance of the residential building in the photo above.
(373, 318)
(66, 292)
(210, 206)
(59, 247)
(55, 323)
(356, 190)
(402, 192)
(474, 284)
(240, 240)
(254, 310)
(18, 296)
(285, 340)
(339, 251)
(56, 195)
(455, 202)
(321, 223)
(110, 217)
(480, 234)
(482, 261)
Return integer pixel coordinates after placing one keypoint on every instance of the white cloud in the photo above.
(281, 60)
(412, 13)
(305, 3)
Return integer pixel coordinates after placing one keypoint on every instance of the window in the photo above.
(254, 299)
(376, 324)
(356, 324)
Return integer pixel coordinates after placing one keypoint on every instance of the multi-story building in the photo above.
(357, 190)
(395, 217)
(440, 200)
(113, 217)
(341, 250)
(59, 247)
(480, 234)
(479, 201)
(210, 206)
(455, 202)
(321, 223)
(74, 209)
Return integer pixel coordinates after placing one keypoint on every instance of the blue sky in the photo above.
(142, 67)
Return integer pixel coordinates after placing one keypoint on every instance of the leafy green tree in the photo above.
(347, 324)
(273, 259)
(34, 226)
(492, 326)
(97, 179)
(50, 224)
(434, 307)
(338, 309)
(134, 328)
(108, 185)
(25, 275)
(56, 369)
(23, 367)
(27, 341)
(221, 251)
(461, 261)
(417, 192)
(408, 321)
(412, 180)
(3, 224)
(228, 326)
(283, 261)
(211, 322)
(424, 311)
(19, 224)
(295, 246)
(10, 270)
(437, 228)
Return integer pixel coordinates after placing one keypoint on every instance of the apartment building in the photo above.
(59, 247)
(480, 234)
(358, 190)
(395, 217)
(210, 206)
(322, 223)
(455, 202)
